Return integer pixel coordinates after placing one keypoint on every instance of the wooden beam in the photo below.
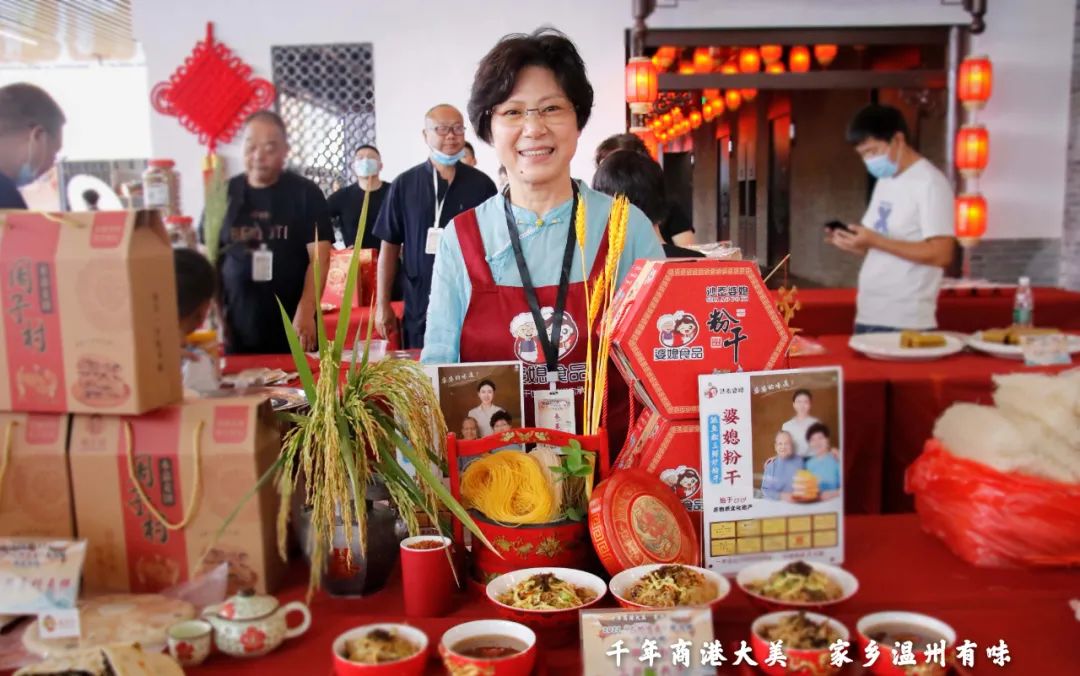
(824, 79)
(698, 37)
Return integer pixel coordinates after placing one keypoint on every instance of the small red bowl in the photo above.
(807, 662)
(621, 583)
(544, 619)
(520, 664)
(410, 666)
(761, 571)
(929, 625)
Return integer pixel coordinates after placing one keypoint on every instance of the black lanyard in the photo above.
(548, 343)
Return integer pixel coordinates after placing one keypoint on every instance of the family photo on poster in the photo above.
(479, 399)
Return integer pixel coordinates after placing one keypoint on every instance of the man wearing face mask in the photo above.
(347, 203)
(31, 133)
(421, 202)
(906, 234)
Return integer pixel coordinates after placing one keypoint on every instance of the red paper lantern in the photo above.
(970, 218)
(825, 54)
(710, 94)
(686, 68)
(729, 68)
(718, 106)
(972, 150)
(771, 53)
(975, 81)
(642, 87)
(748, 94)
(695, 119)
(775, 68)
(707, 112)
(749, 60)
(733, 99)
(703, 61)
(799, 59)
(664, 57)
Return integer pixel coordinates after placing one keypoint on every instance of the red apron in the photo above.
(498, 325)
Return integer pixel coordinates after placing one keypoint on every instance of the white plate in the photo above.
(886, 346)
(1012, 351)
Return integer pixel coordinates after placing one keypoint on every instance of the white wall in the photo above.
(107, 107)
(426, 52)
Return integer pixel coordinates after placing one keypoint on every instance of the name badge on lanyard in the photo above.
(434, 233)
(554, 410)
(262, 264)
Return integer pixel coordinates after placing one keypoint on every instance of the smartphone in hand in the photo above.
(833, 226)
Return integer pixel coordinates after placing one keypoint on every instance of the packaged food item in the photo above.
(161, 187)
(39, 575)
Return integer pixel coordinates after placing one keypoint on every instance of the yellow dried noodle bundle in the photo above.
(509, 487)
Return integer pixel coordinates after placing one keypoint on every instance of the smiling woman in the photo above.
(506, 283)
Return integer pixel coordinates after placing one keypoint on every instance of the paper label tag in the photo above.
(433, 237)
(59, 623)
(156, 195)
(262, 265)
(555, 410)
(1046, 350)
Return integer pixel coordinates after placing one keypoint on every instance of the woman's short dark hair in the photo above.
(485, 381)
(636, 175)
(196, 281)
(499, 69)
(501, 415)
(617, 142)
(818, 428)
(799, 393)
(877, 122)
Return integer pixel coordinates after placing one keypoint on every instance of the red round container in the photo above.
(635, 519)
(563, 545)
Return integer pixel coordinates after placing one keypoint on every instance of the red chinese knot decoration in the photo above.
(212, 92)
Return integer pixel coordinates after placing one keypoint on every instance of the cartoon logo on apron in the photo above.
(678, 329)
(527, 344)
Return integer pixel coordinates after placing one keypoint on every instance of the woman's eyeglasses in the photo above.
(551, 113)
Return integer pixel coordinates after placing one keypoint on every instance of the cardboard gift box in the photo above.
(198, 460)
(681, 318)
(35, 495)
(670, 451)
(338, 273)
(90, 315)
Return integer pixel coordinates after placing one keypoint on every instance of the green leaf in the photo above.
(575, 513)
(299, 357)
(320, 325)
(350, 284)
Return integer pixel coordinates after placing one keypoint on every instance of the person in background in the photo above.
(347, 203)
(776, 481)
(906, 235)
(196, 286)
(800, 423)
(268, 244)
(469, 157)
(91, 197)
(31, 134)
(483, 411)
(503, 181)
(625, 172)
(676, 228)
(420, 204)
(470, 429)
(501, 421)
(823, 462)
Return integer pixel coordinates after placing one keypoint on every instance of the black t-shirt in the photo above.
(10, 197)
(346, 205)
(284, 217)
(677, 222)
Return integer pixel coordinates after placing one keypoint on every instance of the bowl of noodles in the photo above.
(545, 598)
(381, 650)
(806, 639)
(658, 586)
(796, 585)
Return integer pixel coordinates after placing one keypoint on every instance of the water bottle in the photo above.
(1024, 304)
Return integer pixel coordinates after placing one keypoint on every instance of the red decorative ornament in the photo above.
(695, 119)
(771, 53)
(799, 59)
(775, 68)
(825, 54)
(641, 84)
(212, 92)
(703, 60)
(975, 81)
(733, 99)
(748, 94)
(972, 150)
(970, 218)
(749, 60)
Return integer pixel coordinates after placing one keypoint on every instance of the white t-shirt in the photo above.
(797, 428)
(914, 206)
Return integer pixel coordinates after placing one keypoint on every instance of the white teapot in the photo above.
(250, 625)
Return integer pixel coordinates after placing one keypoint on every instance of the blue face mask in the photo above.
(25, 176)
(447, 160)
(366, 166)
(880, 166)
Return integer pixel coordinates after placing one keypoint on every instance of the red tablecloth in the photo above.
(358, 321)
(912, 397)
(831, 311)
(898, 567)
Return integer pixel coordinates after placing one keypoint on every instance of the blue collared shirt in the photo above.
(543, 240)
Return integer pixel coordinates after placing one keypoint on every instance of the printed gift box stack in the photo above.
(676, 320)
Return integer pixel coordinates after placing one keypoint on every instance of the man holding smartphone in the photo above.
(906, 234)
